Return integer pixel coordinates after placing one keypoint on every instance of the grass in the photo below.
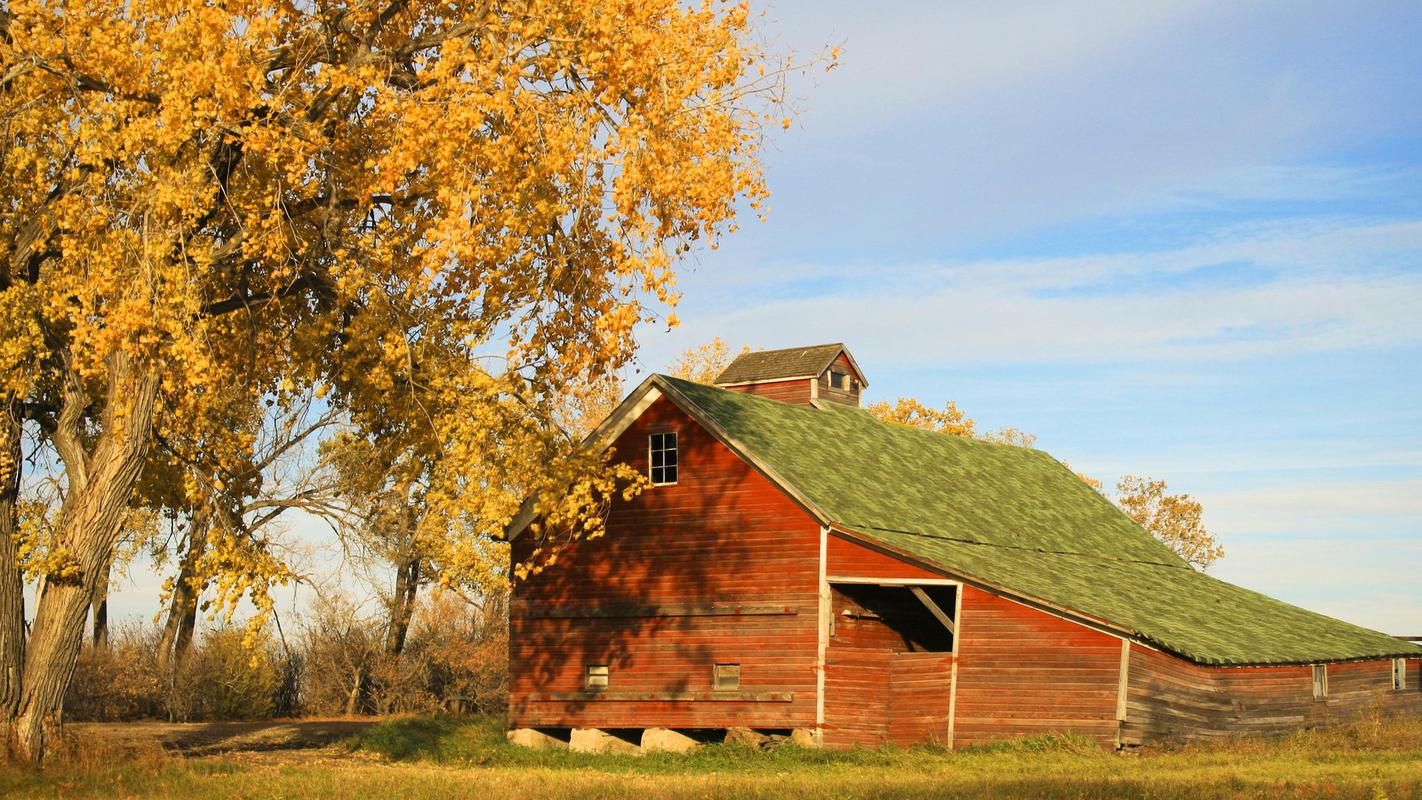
(423, 757)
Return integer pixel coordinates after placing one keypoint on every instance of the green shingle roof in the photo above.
(1017, 519)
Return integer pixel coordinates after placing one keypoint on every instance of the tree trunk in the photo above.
(182, 606)
(12, 588)
(90, 523)
(402, 605)
(353, 699)
(99, 608)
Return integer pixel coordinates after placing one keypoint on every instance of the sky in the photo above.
(1181, 240)
(1174, 239)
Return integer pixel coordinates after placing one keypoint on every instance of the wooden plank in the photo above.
(1121, 684)
(934, 609)
(645, 697)
(665, 610)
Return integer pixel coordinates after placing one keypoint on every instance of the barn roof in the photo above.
(1014, 519)
(773, 365)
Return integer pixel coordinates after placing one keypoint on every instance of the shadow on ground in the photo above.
(211, 738)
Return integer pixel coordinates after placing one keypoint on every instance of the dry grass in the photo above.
(421, 757)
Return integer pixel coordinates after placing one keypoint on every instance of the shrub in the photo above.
(225, 678)
(120, 682)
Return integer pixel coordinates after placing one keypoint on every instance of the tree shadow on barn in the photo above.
(720, 567)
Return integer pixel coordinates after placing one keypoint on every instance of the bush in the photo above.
(219, 679)
(120, 682)
(455, 661)
(224, 678)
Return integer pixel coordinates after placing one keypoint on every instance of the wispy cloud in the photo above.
(1247, 291)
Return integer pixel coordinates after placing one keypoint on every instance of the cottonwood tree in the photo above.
(385, 486)
(703, 363)
(910, 412)
(436, 210)
(229, 486)
(1175, 519)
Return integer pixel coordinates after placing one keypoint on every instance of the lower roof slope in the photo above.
(1017, 519)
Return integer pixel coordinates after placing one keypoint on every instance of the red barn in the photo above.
(800, 568)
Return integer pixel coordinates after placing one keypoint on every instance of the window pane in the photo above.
(670, 476)
(657, 458)
(668, 457)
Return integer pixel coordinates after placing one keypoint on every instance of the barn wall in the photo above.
(720, 568)
(1171, 699)
(1022, 672)
(848, 559)
(792, 391)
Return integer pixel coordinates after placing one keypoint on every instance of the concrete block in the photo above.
(535, 739)
(594, 740)
(667, 740)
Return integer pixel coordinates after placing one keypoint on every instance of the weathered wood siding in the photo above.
(847, 559)
(846, 396)
(1171, 699)
(920, 686)
(656, 599)
(792, 391)
(877, 693)
(1022, 672)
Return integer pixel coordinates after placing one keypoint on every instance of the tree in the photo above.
(909, 411)
(1174, 519)
(703, 363)
(435, 214)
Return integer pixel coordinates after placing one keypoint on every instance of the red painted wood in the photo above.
(1022, 672)
(792, 391)
(877, 693)
(722, 535)
(849, 559)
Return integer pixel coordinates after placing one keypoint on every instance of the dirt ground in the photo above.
(265, 741)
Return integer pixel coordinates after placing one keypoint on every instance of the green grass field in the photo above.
(415, 758)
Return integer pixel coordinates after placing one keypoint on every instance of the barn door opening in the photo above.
(888, 667)
(921, 617)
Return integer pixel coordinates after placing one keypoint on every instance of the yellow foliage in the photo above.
(1174, 519)
(441, 217)
(703, 363)
(909, 411)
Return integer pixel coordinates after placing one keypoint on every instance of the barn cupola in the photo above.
(824, 372)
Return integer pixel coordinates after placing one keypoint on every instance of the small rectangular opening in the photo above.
(1399, 674)
(1320, 681)
(595, 679)
(726, 677)
(839, 380)
(662, 458)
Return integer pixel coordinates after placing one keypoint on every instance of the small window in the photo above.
(1320, 681)
(727, 676)
(1399, 674)
(662, 450)
(839, 380)
(596, 677)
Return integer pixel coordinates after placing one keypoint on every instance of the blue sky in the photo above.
(1181, 240)
(1174, 239)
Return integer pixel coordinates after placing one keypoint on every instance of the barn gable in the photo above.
(1012, 520)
